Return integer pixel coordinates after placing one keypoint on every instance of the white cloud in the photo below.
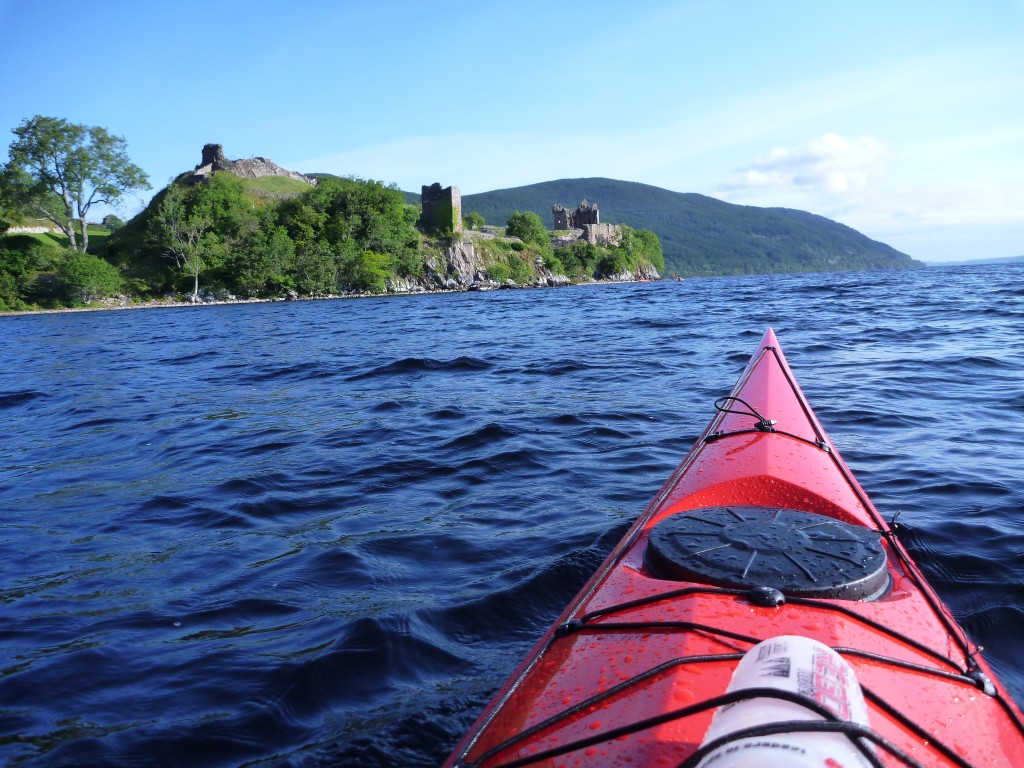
(832, 165)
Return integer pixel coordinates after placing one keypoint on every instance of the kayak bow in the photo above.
(761, 534)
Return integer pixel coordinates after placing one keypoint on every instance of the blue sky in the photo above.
(904, 120)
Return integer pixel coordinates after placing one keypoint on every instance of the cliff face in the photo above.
(461, 266)
(250, 168)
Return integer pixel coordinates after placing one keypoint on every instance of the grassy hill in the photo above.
(57, 240)
(701, 235)
(276, 186)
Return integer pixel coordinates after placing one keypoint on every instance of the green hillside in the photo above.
(701, 235)
(277, 186)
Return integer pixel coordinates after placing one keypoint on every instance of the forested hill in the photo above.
(701, 235)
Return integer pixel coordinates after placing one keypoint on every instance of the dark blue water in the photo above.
(322, 533)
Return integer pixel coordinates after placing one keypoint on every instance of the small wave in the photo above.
(13, 399)
(104, 421)
(646, 322)
(298, 372)
(398, 473)
(555, 368)
(532, 600)
(409, 365)
(365, 665)
(261, 448)
(568, 420)
(487, 435)
(447, 414)
(183, 359)
(386, 406)
(230, 618)
(604, 433)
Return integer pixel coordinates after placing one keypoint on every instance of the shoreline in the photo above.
(173, 304)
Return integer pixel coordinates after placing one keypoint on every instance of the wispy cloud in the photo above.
(832, 166)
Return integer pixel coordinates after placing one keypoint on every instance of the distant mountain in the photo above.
(701, 235)
(974, 262)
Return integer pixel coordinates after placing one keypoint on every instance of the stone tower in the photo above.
(442, 209)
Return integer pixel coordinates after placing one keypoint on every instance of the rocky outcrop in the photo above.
(213, 159)
(458, 265)
(644, 273)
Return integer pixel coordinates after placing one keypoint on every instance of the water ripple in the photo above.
(282, 544)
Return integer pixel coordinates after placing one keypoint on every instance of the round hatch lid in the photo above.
(802, 554)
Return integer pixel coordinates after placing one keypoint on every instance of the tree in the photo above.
(352, 216)
(527, 227)
(183, 228)
(113, 223)
(261, 262)
(473, 220)
(314, 269)
(59, 170)
(643, 245)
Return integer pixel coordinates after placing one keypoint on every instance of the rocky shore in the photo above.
(457, 267)
(115, 303)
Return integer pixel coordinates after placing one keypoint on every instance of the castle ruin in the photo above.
(586, 217)
(442, 209)
(214, 159)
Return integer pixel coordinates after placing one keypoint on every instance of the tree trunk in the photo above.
(69, 228)
(85, 234)
(69, 232)
(195, 291)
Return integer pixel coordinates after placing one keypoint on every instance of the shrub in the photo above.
(473, 220)
(527, 227)
(10, 298)
(365, 272)
(86, 277)
(553, 264)
(499, 272)
(613, 263)
(520, 270)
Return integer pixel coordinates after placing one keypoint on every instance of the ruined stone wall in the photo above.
(603, 234)
(214, 159)
(584, 215)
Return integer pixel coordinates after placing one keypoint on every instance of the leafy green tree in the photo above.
(355, 217)
(408, 264)
(10, 296)
(183, 229)
(59, 170)
(580, 259)
(223, 195)
(613, 263)
(642, 245)
(527, 227)
(261, 263)
(113, 223)
(473, 220)
(314, 269)
(30, 266)
(554, 264)
(366, 272)
(86, 277)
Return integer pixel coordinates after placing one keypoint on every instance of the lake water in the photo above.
(323, 533)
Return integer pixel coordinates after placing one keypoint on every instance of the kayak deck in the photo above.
(633, 670)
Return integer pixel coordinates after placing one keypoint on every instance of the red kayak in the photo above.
(760, 612)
